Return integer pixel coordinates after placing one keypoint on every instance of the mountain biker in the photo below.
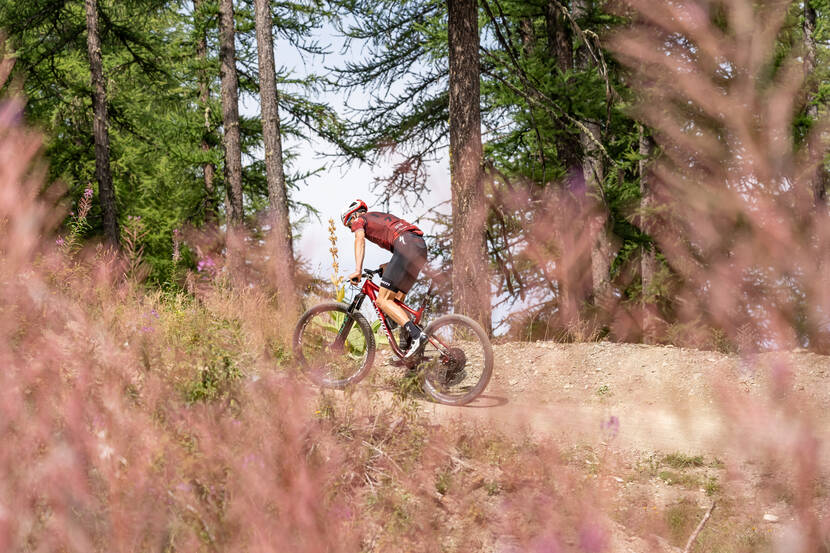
(409, 254)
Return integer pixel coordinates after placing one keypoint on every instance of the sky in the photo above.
(334, 188)
(330, 191)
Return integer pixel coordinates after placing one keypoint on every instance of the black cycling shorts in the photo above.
(409, 254)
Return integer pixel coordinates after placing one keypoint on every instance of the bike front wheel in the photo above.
(332, 346)
(457, 360)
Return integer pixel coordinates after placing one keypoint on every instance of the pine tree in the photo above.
(208, 168)
(230, 114)
(470, 279)
(280, 235)
(819, 179)
(101, 126)
(648, 262)
(593, 168)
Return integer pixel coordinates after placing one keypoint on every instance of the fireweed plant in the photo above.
(336, 278)
(132, 237)
(77, 225)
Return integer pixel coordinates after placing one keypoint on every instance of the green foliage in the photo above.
(77, 225)
(214, 380)
(380, 335)
(682, 461)
(157, 122)
(355, 342)
(493, 487)
(442, 482)
(681, 519)
(712, 486)
(672, 478)
(545, 75)
(409, 386)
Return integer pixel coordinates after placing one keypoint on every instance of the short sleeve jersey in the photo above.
(382, 228)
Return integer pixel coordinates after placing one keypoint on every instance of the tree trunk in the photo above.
(602, 250)
(560, 48)
(230, 114)
(470, 279)
(527, 35)
(559, 36)
(204, 100)
(280, 235)
(648, 263)
(818, 182)
(100, 126)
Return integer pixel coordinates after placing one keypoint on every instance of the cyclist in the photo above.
(409, 254)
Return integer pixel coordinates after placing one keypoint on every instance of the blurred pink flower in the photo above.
(206, 265)
(611, 426)
(592, 537)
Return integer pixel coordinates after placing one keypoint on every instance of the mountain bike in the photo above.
(334, 345)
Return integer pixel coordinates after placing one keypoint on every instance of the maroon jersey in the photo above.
(381, 228)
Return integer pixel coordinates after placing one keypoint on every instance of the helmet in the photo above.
(354, 207)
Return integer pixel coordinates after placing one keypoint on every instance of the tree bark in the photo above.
(559, 36)
(103, 174)
(527, 35)
(280, 235)
(204, 99)
(602, 250)
(230, 114)
(560, 49)
(648, 263)
(818, 180)
(470, 279)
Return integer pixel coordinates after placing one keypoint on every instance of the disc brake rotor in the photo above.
(453, 363)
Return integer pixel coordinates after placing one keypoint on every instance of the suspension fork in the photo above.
(348, 322)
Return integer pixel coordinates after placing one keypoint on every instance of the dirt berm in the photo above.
(734, 424)
(649, 397)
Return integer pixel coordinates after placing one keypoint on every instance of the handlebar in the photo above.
(368, 273)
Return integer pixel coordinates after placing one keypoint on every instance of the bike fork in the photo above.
(348, 322)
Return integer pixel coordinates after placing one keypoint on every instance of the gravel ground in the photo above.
(638, 403)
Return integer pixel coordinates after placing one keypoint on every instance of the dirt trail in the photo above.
(639, 397)
(635, 406)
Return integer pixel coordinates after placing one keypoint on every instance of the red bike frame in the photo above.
(370, 290)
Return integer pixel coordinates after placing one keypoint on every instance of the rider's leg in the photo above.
(386, 301)
(408, 257)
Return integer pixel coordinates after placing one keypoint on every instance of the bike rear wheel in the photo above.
(333, 347)
(457, 360)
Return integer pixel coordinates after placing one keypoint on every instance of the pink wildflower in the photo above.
(206, 264)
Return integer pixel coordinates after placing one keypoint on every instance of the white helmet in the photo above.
(353, 208)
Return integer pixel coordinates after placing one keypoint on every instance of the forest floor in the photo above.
(669, 428)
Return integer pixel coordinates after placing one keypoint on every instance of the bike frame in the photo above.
(370, 290)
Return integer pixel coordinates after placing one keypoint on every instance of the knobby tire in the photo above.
(356, 318)
(487, 369)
